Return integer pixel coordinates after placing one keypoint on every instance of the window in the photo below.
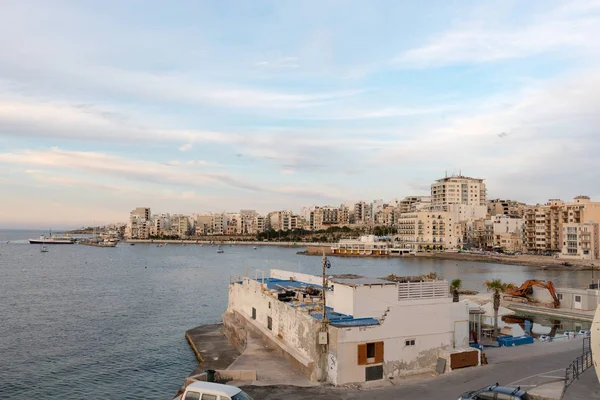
(560, 296)
(209, 397)
(486, 396)
(269, 304)
(370, 350)
(270, 323)
(578, 299)
(370, 353)
(192, 396)
(504, 396)
(253, 313)
(409, 342)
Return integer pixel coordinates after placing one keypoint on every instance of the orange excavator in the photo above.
(527, 289)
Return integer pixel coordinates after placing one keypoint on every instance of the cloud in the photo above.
(480, 41)
(185, 147)
(111, 166)
(284, 62)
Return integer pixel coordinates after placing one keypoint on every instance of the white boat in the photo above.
(44, 248)
(254, 247)
(220, 250)
(53, 239)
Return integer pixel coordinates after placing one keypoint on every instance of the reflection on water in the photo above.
(544, 325)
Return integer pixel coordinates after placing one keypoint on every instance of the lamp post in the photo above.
(326, 265)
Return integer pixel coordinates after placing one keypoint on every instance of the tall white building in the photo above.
(458, 190)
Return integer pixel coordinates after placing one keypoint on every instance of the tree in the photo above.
(455, 286)
(498, 287)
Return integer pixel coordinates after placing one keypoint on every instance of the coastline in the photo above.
(544, 262)
(225, 242)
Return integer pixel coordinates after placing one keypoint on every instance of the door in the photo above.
(577, 303)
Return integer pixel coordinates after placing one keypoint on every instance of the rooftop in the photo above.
(361, 281)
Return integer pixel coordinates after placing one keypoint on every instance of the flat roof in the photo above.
(338, 319)
(274, 283)
(361, 281)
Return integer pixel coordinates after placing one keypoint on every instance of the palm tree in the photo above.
(498, 287)
(455, 286)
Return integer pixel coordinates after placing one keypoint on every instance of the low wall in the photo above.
(241, 323)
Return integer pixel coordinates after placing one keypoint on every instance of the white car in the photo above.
(213, 391)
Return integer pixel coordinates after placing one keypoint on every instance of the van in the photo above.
(213, 391)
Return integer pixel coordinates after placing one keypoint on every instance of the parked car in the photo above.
(213, 391)
(496, 392)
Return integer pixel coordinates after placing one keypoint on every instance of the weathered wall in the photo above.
(431, 325)
(281, 274)
(292, 329)
(373, 301)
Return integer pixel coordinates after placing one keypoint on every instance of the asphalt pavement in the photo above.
(527, 366)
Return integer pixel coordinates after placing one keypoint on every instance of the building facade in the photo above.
(366, 336)
(458, 190)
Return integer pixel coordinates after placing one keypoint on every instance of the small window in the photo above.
(253, 313)
(560, 296)
(192, 396)
(409, 342)
(209, 397)
(270, 323)
(578, 299)
(486, 396)
(370, 350)
(269, 304)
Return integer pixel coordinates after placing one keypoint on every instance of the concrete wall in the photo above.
(341, 299)
(292, 329)
(588, 297)
(297, 276)
(373, 301)
(432, 326)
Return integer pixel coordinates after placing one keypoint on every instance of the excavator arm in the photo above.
(526, 288)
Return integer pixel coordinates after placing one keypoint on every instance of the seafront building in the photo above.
(547, 228)
(374, 329)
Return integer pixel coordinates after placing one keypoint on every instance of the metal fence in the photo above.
(577, 367)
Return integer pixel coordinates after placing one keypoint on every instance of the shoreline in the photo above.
(225, 242)
(542, 262)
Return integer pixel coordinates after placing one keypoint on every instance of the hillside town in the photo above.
(456, 216)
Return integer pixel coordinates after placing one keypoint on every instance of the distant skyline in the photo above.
(192, 106)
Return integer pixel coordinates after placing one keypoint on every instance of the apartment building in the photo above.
(161, 224)
(413, 203)
(181, 225)
(506, 207)
(362, 213)
(507, 224)
(219, 224)
(139, 224)
(248, 222)
(580, 241)
(344, 215)
(204, 224)
(458, 189)
(424, 229)
(544, 223)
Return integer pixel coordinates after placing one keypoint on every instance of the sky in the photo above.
(195, 106)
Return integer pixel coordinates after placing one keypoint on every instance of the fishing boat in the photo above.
(99, 243)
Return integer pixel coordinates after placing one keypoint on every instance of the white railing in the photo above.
(423, 290)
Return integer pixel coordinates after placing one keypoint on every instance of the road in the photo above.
(526, 366)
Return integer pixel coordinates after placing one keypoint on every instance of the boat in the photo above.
(132, 244)
(220, 250)
(44, 248)
(53, 239)
(254, 247)
(101, 243)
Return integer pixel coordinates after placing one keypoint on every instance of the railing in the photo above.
(580, 365)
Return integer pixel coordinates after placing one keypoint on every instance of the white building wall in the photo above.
(433, 327)
(293, 329)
